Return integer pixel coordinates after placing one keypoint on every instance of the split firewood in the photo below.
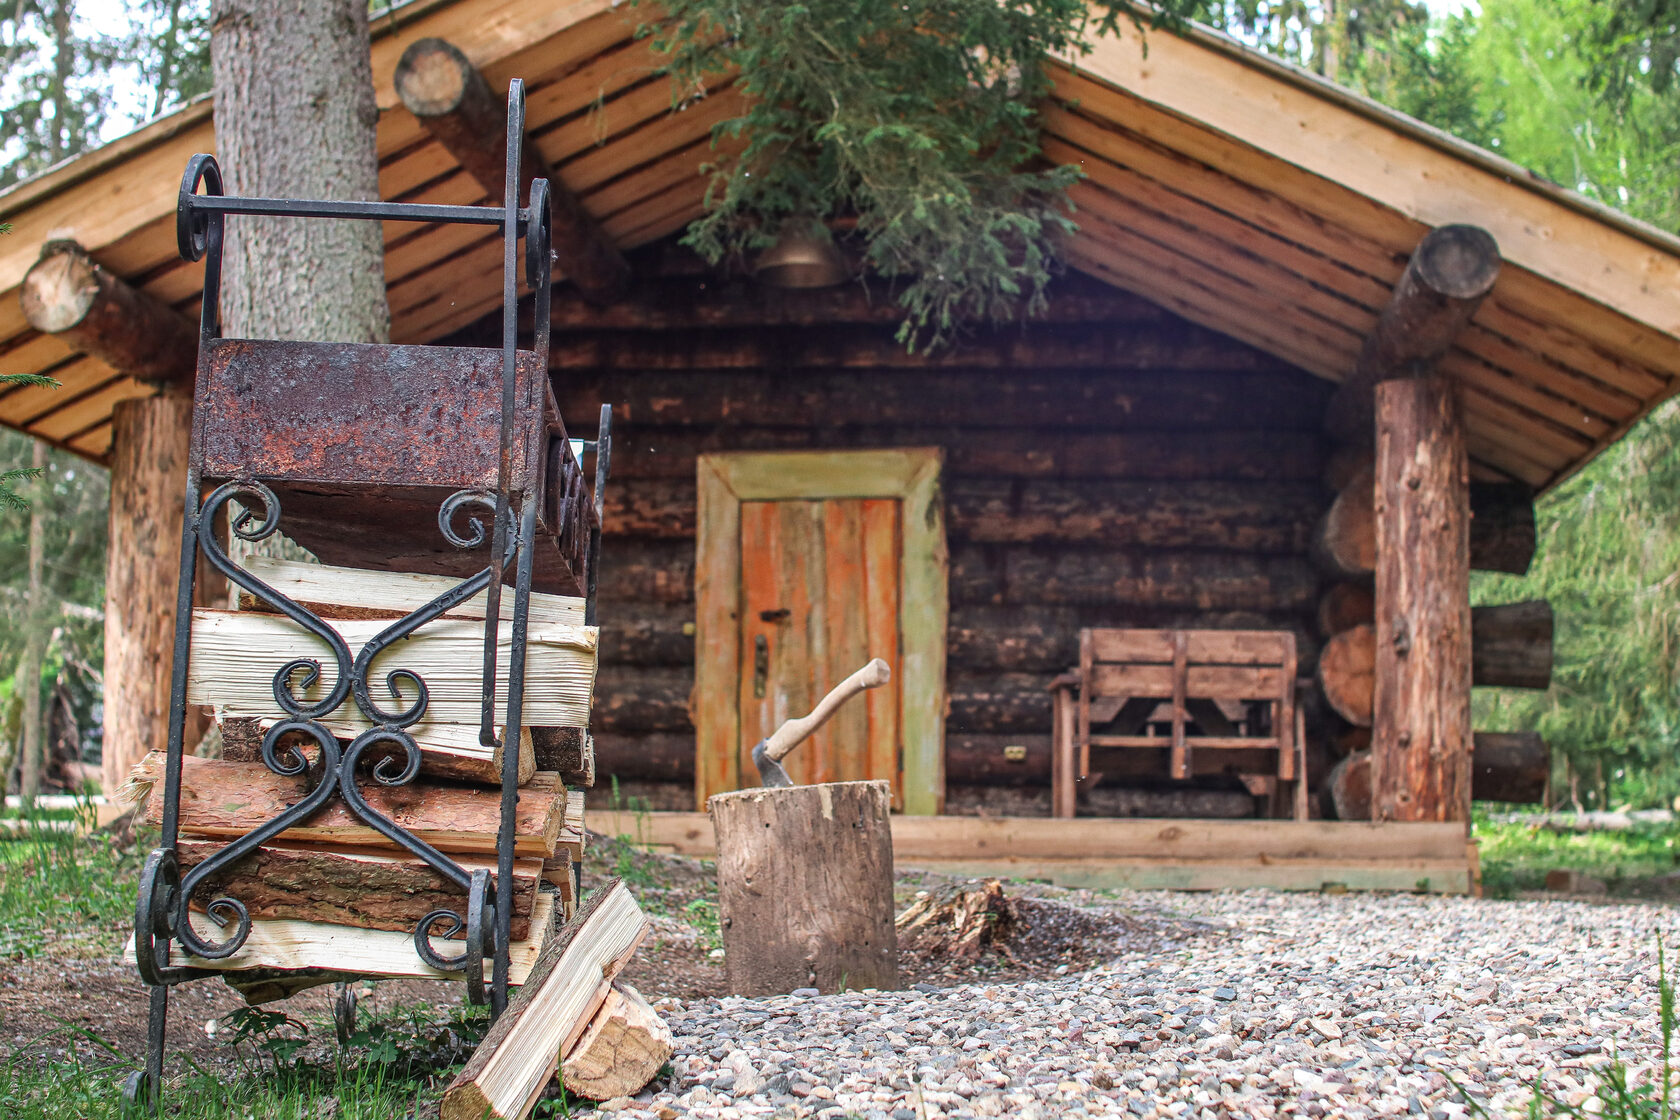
(349, 886)
(235, 655)
(293, 946)
(444, 753)
(565, 988)
(355, 593)
(959, 920)
(229, 799)
(569, 752)
(621, 1051)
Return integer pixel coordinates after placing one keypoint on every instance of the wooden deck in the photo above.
(1142, 854)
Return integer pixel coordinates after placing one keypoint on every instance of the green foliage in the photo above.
(1516, 856)
(915, 118)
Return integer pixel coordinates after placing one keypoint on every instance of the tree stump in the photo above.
(805, 878)
(960, 919)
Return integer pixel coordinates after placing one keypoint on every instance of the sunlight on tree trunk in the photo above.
(35, 648)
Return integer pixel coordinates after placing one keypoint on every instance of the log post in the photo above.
(441, 86)
(1421, 732)
(66, 293)
(805, 887)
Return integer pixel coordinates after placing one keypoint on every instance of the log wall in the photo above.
(1126, 468)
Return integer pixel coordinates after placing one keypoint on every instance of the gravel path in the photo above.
(1268, 1005)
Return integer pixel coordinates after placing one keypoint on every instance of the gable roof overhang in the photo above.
(1242, 193)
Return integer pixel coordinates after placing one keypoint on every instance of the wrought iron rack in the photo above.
(384, 454)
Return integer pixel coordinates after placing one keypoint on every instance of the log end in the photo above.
(1458, 261)
(432, 77)
(60, 288)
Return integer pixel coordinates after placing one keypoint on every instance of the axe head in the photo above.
(770, 772)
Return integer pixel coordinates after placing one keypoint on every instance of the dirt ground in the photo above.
(78, 982)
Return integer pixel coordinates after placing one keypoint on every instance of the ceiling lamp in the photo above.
(801, 258)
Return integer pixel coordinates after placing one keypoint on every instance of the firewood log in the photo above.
(622, 1050)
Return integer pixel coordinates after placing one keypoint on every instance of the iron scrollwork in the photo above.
(162, 911)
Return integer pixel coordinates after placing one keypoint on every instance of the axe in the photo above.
(768, 755)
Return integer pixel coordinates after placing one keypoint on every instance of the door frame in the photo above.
(909, 474)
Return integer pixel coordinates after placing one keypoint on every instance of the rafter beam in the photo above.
(441, 87)
(69, 295)
(1450, 273)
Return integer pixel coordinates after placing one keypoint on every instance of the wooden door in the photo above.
(820, 597)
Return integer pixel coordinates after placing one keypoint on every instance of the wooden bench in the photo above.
(1182, 692)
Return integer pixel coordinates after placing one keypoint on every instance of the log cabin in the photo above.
(1309, 363)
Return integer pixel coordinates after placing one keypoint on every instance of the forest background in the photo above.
(1579, 91)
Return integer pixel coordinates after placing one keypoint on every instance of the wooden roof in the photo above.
(1237, 191)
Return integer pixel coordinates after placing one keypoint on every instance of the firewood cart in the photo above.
(405, 450)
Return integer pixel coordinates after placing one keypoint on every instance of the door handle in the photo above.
(761, 665)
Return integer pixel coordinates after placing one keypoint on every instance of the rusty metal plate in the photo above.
(361, 414)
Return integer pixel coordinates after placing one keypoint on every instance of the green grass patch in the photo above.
(1516, 857)
(79, 887)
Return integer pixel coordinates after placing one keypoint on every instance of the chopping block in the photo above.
(805, 887)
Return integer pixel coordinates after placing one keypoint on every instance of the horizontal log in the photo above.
(1504, 766)
(648, 451)
(349, 886)
(229, 799)
(1510, 647)
(635, 699)
(647, 633)
(644, 571)
(704, 301)
(1047, 346)
(446, 92)
(1099, 801)
(1209, 581)
(1502, 533)
(1038, 638)
(1266, 517)
(68, 294)
(1006, 702)
(1345, 606)
(1110, 398)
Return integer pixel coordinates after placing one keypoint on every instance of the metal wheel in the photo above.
(139, 1096)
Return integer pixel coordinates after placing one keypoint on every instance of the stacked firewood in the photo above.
(333, 896)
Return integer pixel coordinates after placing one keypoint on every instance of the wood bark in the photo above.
(66, 293)
(1421, 728)
(1502, 533)
(567, 751)
(440, 86)
(28, 676)
(1451, 271)
(805, 878)
(1505, 766)
(149, 448)
(228, 799)
(295, 118)
(567, 985)
(959, 920)
(622, 1050)
(347, 886)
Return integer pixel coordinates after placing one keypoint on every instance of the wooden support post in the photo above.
(67, 294)
(441, 86)
(1421, 734)
(1451, 271)
(805, 887)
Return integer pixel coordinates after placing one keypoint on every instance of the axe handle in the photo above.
(796, 731)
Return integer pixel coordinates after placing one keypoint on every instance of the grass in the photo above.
(79, 887)
(1516, 857)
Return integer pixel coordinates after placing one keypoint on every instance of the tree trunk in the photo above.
(1420, 747)
(295, 118)
(28, 678)
(805, 888)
